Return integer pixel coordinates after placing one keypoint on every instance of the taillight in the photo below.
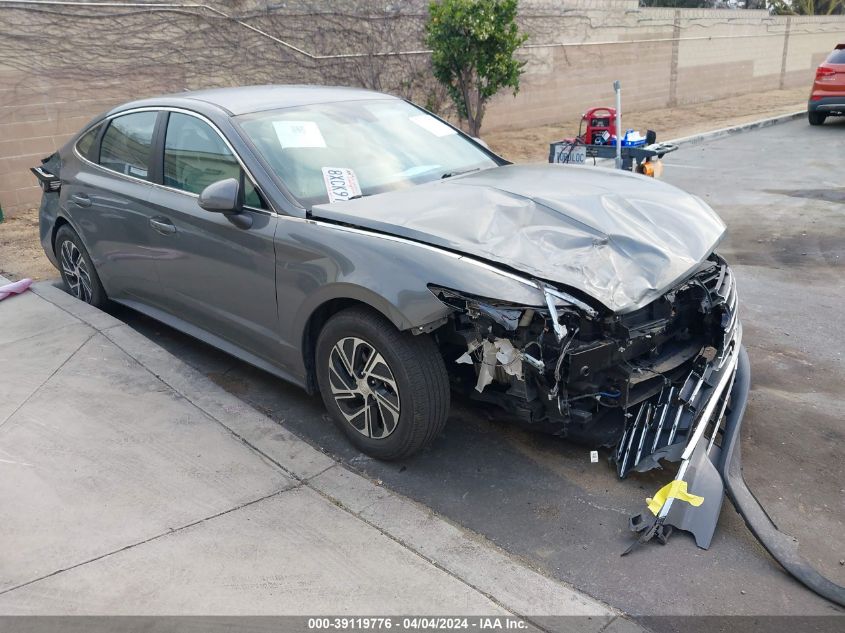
(48, 181)
(823, 72)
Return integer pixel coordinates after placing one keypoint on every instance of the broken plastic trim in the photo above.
(548, 292)
(47, 181)
(713, 471)
(782, 546)
(694, 499)
(499, 352)
(554, 317)
(507, 316)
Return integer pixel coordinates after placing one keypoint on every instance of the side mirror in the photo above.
(222, 196)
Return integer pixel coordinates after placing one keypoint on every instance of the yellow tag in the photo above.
(676, 489)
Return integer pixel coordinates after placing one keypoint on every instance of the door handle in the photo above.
(80, 199)
(163, 226)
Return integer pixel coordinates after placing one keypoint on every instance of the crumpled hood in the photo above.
(621, 238)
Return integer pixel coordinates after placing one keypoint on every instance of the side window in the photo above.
(86, 143)
(195, 156)
(126, 144)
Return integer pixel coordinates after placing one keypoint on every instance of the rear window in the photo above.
(836, 57)
(85, 145)
(126, 144)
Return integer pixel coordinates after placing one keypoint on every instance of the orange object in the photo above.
(827, 98)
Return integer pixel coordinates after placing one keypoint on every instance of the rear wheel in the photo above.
(77, 269)
(816, 118)
(388, 390)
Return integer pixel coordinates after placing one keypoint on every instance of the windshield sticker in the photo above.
(138, 172)
(341, 183)
(432, 125)
(298, 134)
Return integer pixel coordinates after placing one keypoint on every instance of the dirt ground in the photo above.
(532, 144)
(20, 251)
(21, 254)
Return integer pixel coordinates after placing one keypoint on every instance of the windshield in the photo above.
(334, 151)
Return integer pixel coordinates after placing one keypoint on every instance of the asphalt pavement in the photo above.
(781, 191)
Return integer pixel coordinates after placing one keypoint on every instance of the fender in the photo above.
(432, 310)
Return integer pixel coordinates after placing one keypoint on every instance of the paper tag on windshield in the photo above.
(432, 125)
(298, 134)
(594, 457)
(341, 183)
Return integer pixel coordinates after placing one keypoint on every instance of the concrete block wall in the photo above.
(40, 115)
(663, 57)
(36, 118)
(576, 49)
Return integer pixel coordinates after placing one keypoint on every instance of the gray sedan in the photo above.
(360, 247)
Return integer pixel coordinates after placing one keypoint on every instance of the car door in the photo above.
(218, 275)
(105, 192)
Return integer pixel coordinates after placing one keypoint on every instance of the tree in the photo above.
(677, 4)
(473, 44)
(807, 7)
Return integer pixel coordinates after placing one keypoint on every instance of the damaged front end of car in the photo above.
(667, 382)
(651, 384)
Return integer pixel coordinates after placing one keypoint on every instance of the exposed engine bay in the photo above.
(584, 376)
(652, 384)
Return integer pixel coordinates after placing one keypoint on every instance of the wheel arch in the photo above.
(317, 313)
(58, 224)
(314, 325)
(64, 219)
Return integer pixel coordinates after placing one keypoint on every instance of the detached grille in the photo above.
(659, 427)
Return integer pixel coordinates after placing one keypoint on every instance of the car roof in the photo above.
(246, 99)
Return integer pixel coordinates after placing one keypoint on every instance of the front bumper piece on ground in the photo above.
(683, 425)
(693, 500)
(782, 546)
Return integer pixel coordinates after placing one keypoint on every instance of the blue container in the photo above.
(633, 139)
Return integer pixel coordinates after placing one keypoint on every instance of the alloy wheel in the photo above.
(363, 387)
(76, 271)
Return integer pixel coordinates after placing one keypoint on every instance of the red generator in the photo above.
(601, 126)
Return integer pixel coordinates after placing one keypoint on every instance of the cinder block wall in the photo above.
(663, 57)
(576, 49)
(39, 117)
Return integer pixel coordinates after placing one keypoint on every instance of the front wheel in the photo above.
(388, 390)
(77, 269)
(816, 118)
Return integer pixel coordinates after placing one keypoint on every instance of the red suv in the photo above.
(828, 95)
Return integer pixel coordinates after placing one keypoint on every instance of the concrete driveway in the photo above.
(780, 190)
(132, 485)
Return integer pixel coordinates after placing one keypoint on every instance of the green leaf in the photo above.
(473, 43)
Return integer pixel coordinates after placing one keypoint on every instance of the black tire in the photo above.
(75, 266)
(413, 365)
(815, 118)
